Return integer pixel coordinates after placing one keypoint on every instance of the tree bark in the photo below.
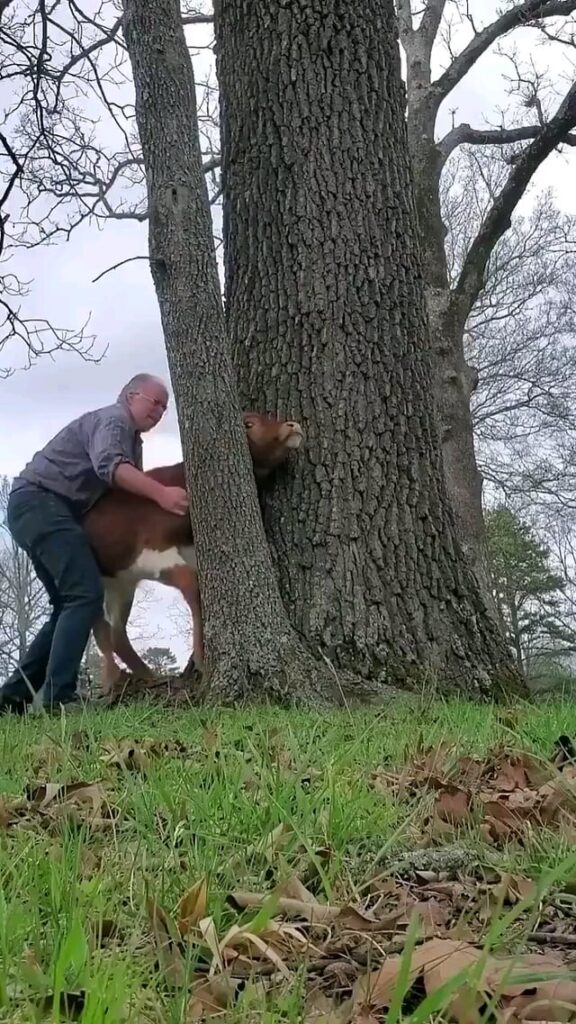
(326, 310)
(448, 308)
(251, 649)
(454, 380)
(516, 634)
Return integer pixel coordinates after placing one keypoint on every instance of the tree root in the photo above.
(290, 677)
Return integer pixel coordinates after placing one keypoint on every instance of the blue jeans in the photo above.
(47, 529)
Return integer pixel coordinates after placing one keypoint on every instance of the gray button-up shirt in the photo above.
(80, 461)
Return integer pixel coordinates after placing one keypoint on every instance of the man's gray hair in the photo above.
(136, 382)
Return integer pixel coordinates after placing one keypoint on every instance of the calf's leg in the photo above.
(185, 579)
(110, 671)
(111, 636)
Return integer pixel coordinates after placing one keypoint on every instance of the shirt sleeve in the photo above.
(110, 443)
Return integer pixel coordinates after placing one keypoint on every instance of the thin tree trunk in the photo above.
(516, 635)
(454, 379)
(326, 310)
(251, 649)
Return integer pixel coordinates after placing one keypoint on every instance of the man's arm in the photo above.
(110, 448)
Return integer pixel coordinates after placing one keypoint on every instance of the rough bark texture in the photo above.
(325, 304)
(250, 646)
(448, 308)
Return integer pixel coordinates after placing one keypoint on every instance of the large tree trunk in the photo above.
(251, 648)
(325, 305)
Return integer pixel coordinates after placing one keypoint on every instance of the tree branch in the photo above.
(497, 220)
(464, 134)
(404, 19)
(525, 13)
(431, 19)
(197, 19)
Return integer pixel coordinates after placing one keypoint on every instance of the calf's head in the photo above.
(270, 440)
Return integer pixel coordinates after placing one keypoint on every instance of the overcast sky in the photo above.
(37, 402)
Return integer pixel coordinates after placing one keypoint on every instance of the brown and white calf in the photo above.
(136, 540)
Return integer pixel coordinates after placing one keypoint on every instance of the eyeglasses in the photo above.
(153, 401)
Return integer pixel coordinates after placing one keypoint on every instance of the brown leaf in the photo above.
(192, 907)
(511, 775)
(469, 770)
(443, 959)
(210, 998)
(552, 999)
(432, 914)
(538, 771)
(376, 989)
(294, 889)
(504, 815)
(437, 960)
(126, 754)
(514, 888)
(319, 1009)
(453, 805)
(319, 913)
(261, 946)
(7, 812)
(166, 938)
(90, 798)
(558, 795)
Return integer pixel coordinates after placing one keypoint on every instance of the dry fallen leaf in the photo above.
(167, 942)
(210, 998)
(8, 809)
(528, 987)
(550, 999)
(126, 754)
(192, 907)
(453, 805)
(319, 913)
(511, 792)
(86, 800)
(319, 1009)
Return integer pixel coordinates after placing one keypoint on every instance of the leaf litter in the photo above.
(354, 952)
(505, 795)
(354, 956)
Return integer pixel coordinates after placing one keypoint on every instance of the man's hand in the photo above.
(173, 499)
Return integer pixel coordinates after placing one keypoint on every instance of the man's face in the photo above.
(148, 405)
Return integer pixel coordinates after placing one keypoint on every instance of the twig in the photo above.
(552, 939)
(116, 265)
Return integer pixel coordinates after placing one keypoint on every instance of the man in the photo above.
(99, 450)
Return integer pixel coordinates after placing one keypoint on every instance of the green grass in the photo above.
(202, 814)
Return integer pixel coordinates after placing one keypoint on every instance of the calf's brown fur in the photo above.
(134, 540)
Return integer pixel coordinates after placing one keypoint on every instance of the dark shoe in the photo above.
(11, 702)
(69, 706)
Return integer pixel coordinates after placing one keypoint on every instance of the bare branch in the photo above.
(525, 14)
(197, 19)
(464, 134)
(405, 25)
(497, 220)
(430, 23)
(131, 259)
